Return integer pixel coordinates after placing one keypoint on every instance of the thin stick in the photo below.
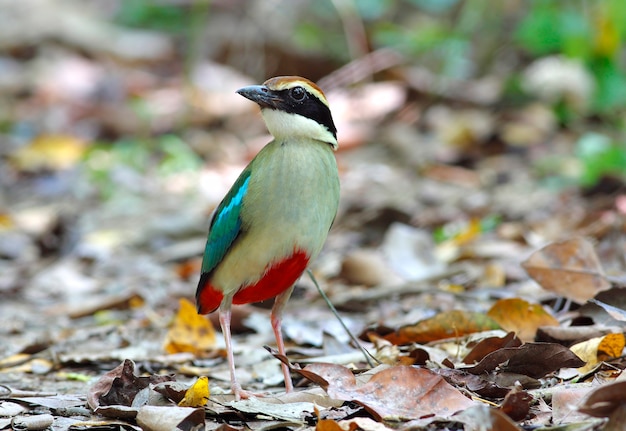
(368, 355)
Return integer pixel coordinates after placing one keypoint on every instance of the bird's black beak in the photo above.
(260, 94)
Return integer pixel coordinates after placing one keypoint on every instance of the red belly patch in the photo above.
(208, 298)
(278, 278)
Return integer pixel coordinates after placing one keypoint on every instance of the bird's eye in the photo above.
(297, 93)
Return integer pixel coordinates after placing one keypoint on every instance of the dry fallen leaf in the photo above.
(120, 386)
(532, 359)
(444, 325)
(356, 424)
(516, 404)
(483, 418)
(190, 332)
(565, 401)
(568, 268)
(482, 385)
(491, 344)
(599, 349)
(197, 395)
(603, 400)
(167, 418)
(400, 392)
(520, 316)
(615, 312)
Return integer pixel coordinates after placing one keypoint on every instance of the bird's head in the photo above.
(293, 107)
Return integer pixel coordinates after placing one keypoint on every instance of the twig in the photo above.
(368, 355)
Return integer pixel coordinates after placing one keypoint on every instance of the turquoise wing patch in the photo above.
(225, 225)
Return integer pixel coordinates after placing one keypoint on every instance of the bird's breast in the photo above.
(290, 204)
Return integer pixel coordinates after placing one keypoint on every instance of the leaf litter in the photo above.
(447, 257)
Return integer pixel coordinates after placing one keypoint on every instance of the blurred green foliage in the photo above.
(593, 32)
(599, 156)
(469, 38)
(461, 39)
(456, 38)
(595, 156)
(152, 15)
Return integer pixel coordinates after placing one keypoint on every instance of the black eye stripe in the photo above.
(309, 106)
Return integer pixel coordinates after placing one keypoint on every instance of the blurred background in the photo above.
(462, 124)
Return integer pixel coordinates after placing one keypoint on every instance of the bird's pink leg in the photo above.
(276, 318)
(225, 315)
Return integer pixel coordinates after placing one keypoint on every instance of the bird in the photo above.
(275, 219)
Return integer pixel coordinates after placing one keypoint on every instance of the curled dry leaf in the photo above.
(612, 301)
(568, 268)
(479, 384)
(570, 335)
(532, 359)
(491, 344)
(604, 400)
(32, 423)
(599, 349)
(399, 392)
(444, 325)
(606, 309)
(120, 386)
(8, 409)
(520, 316)
(516, 404)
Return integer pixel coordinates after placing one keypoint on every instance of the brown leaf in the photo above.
(613, 301)
(174, 391)
(569, 268)
(516, 404)
(448, 324)
(491, 344)
(520, 316)
(570, 335)
(479, 384)
(481, 417)
(120, 386)
(325, 374)
(399, 392)
(532, 359)
(565, 402)
(602, 401)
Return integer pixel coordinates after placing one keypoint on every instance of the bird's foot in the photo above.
(241, 394)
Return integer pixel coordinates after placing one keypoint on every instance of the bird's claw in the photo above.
(242, 394)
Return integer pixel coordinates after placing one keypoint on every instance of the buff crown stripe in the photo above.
(286, 82)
